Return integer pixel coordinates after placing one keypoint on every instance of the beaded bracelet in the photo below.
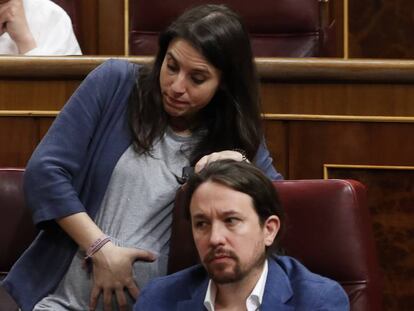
(96, 246)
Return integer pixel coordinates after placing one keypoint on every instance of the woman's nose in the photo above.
(178, 85)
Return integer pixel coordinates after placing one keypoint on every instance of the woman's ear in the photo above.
(271, 228)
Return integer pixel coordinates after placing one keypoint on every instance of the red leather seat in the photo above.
(328, 228)
(283, 28)
(16, 227)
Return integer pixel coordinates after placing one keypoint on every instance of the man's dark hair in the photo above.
(232, 118)
(243, 177)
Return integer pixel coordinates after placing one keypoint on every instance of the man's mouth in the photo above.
(220, 256)
(218, 259)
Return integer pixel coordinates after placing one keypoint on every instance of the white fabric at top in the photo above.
(51, 28)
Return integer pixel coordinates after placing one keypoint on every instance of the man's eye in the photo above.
(232, 221)
(200, 224)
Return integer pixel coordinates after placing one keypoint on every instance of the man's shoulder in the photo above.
(164, 293)
(311, 288)
(297, 272)
(182, 279)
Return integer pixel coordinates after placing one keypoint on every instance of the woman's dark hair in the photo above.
(232, 118)
(246, 178)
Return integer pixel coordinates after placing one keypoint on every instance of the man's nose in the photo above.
(217, 235)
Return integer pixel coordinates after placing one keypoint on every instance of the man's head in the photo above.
(235, 215)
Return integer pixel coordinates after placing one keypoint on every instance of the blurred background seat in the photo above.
(16, 227)
(283, 28)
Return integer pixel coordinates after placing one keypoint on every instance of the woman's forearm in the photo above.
(81, 228)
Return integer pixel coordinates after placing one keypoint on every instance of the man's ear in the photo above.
(271, 228)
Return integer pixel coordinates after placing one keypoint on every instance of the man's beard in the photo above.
(220, 272)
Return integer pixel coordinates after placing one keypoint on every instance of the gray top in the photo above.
(136, 212)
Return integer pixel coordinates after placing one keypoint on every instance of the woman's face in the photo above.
(188, 81)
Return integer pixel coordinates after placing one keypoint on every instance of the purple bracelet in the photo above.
(96, 246)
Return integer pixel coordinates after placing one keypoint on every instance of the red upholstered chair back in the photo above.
(282, 28)
(16, 228)
(328, 228)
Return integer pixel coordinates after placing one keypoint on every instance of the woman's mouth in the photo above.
(175, 102)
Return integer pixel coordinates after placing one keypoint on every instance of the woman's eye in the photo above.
(172, 68)
(198, 79)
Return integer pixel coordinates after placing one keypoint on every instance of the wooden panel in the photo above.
(276, 139)
(335, 70)
(338, 98)
(44, 124)
(275, 70)
(89, 20)
(102, 27)
(111, 27)
(313, 144)
(58, 68)
(336, 8)
(390, 194)
(18, 138)
(35, 95)
(381, 29)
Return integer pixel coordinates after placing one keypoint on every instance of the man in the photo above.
(36, 27)
(235, 218)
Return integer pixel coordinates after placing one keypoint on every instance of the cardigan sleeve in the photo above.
(58, 159)
(264, 161)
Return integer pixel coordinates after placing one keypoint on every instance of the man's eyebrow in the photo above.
(230, 213)
(198, 215)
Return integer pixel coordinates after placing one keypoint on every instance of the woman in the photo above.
(111, 162)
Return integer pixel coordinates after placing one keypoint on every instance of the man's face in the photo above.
(229, 238)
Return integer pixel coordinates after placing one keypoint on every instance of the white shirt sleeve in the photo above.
(52, 29)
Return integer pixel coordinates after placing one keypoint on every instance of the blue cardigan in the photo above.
(69, 172)
(289, 287)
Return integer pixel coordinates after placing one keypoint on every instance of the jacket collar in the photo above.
(196, 300)
(276, 295)
(277, 290)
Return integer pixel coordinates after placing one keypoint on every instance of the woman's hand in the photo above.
(226, 154)
(112, 272)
